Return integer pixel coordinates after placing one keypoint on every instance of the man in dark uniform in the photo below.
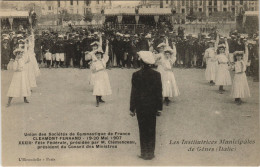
(118, 49)
(37, 48)
(59, 51)
(146, 100)
(78, 51)
(85, 45)
(143, 43)
(69, 51)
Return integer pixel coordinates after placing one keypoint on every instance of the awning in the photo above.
(142, 11)
(13, 14)
(119, 11)
(154, 11)
(251, 13)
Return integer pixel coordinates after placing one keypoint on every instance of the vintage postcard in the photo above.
(130, 83)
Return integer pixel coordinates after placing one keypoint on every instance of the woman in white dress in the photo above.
(19, 86)
(169, 84)
(223, 77)
(211, 63)
(101, 83)
(240, 88)
(91, 56)
(32, 55)
(29, 65)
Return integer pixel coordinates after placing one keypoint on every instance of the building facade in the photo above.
(75, 6)
(206, 6)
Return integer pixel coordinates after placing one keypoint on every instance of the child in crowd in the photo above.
(169, 84)
(240, 88)
(211, 63)
(223, 77)
(48, 58)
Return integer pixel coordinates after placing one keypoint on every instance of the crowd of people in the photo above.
(170, 49)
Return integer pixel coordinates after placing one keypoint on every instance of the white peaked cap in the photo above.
(147, 57)
(168, 49)
(148, 36)
(161, 45)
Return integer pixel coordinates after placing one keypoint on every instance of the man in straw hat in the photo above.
(146, 100)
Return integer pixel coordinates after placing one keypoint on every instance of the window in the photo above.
(241, 2)
(182, 10)
(97, 1)
(233, 10)
(210, 11)
(215, 2)
(233, 2)
(183, 2)
(210, 2)
(71, 2)
(87, 2)
(225, 2)
(200, 2)
(58, 3)
(224, 9)
(215, 9)
(166, 1)
(161, 3)
(77, 2)
(200, 9)
(49, 7)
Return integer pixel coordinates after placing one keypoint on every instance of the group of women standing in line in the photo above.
(100, 80)
(25, 69)
(220, 62)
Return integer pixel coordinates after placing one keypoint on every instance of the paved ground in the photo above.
(63, 102)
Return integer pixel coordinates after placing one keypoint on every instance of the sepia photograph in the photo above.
(130, 83)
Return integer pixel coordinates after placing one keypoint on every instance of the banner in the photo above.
(137, 18)
(103, 19)
(119, 19)
(156, 19)
(11, 20)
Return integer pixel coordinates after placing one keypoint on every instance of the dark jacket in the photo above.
(146, 93)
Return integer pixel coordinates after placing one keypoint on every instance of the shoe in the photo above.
(146, 157)
(97, 102)
(101, 101)
(239, 102)
(220, 92)
(26, 101)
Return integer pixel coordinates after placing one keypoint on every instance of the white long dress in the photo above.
(91, 56)
(101, 83)
(240, 88)
(33, 58)
(30, 69)
(169, 84)
(19, 86)
(223, 75)
(211, 63)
